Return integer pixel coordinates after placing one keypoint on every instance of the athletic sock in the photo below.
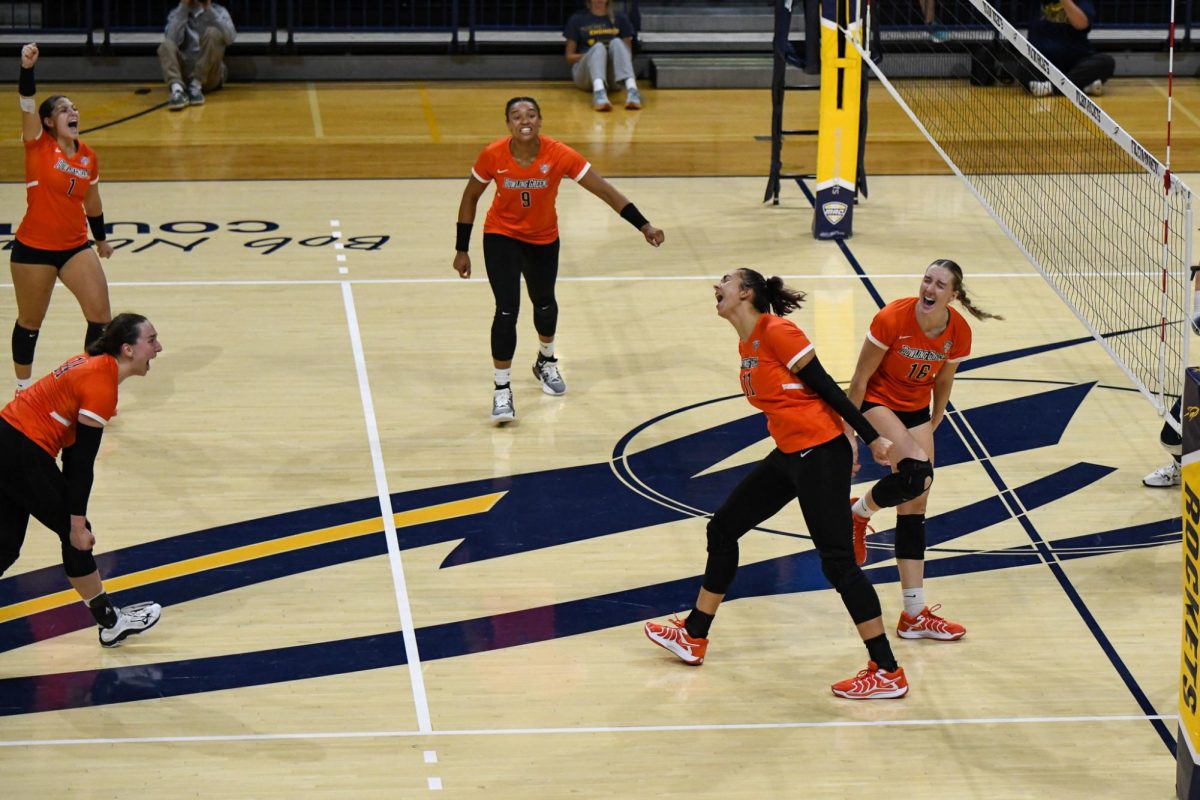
(102, 610)
(501, 377)
(598, 85)
(698, 623)
(861, 508)
(24, 383)
(630, 85)
(545, 350)
(914, 600)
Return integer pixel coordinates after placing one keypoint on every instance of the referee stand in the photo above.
(784, 53)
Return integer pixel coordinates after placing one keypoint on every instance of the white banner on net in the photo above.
(1174, 193)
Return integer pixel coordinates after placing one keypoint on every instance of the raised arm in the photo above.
(620, 203)
(31, 125)
(466, 220)
(1075, 15)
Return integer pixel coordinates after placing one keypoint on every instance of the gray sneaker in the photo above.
(1040, 88)
(177, 101)
(600, 100)
(131, 620)
(546, 371)
(195, 96)
(1095, 88)
(633, 99)
(503, 409)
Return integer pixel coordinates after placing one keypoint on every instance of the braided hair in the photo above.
(770, 294)
(124, 329)
(955, 270)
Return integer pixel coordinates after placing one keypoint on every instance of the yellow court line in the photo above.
(250, 552)
(434, 134)
(314, 109)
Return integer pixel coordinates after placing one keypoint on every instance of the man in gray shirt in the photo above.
(192, 52)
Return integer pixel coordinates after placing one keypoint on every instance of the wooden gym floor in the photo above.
(483, 638)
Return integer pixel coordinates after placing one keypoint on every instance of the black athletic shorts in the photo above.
(24, 254)
(911, 419)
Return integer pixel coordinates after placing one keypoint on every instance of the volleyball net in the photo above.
(1100, 217)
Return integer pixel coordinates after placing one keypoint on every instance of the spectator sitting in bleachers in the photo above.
(600, 46)
(193, 50)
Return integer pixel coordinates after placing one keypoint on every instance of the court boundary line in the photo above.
(461, 282)
(592, 729)
(404, 607)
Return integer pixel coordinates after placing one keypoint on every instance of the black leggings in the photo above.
(506, 260)
(819, 478)
(1094, 67)
(32, 485)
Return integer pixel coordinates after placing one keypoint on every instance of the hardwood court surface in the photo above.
(240, 486)
(424, 130)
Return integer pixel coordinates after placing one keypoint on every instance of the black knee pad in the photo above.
(857, 593)
(545, 318)
(911, 480)
(722, 557)
(77, 563)
(504, 335)
(94, 329)
(910, 536)
(24, 342)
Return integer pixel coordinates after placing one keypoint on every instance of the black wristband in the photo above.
(96, 223)
(634, 217)
(462, 241)
(26, 85)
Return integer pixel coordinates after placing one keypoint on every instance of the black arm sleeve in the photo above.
(78, 462)
(816, 378)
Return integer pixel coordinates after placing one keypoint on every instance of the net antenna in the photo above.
(1105, 223)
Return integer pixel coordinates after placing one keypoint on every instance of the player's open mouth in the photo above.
(526, 129)
(928, 300)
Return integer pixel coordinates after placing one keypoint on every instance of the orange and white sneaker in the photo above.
(674, 637)
(873, 683)
(928, 625)
(861, 526)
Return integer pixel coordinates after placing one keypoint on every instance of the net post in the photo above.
(838, 136)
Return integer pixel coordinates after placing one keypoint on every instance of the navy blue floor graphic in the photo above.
(616, 497)
(630, 491)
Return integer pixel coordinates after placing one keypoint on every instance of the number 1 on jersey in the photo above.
(747, 387)
(71, 188)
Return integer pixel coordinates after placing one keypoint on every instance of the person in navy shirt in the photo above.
(600, 47)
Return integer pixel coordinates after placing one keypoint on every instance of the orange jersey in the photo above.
(523, 207)
(796, 416)
(55, 186)
(48, 412)
(904, 379)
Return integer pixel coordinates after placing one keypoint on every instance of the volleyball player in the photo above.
(909, 358)
(63, 196)
(812, 462)
(520, 238)
(66, 411)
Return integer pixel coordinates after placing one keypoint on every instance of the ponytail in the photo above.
(124, 329)
(956, 271)
(770, 294)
